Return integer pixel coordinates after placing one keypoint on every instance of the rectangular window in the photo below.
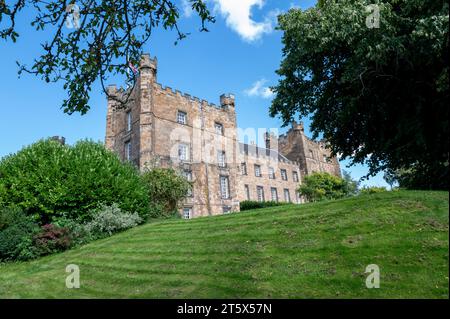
(188, 176)
(182, 117)
(128, 121)
(274, 194)
(287, 197)
(247, 191)
(260, 193)
(283, 175)
(218, 128)
(295, 176)
(221, 159)
(297, 195)
(224, 187)
(226, 209)
(183, 152)
(257, 170)
(271, 173)
(244, 168)
(128, 150)
(187, 213)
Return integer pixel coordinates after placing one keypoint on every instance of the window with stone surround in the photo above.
(187, 213)
(188, 176)
(218, 128)
(244, 168)
(260, 193)
(182, 117)
(128, 121)
(128, 150)
(224, 187)
(274, 194)
(183, 152)
(284, 175)
(247, 191)
(271, 173)
(287, 197)
(221, 159)
(295, 176)
(258, 170)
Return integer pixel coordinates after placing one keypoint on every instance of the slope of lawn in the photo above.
(317, 250)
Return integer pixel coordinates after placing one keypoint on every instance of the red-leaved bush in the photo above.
(52, 239)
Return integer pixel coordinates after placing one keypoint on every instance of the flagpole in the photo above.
(128, 70)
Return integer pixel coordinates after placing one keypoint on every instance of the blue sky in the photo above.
(239, 55)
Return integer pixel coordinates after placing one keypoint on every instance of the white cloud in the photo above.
(258, 89)
(237, 14)
(187, 8)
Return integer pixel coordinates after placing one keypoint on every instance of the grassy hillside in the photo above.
(307, 251)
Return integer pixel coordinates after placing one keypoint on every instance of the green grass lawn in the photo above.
(317, 250)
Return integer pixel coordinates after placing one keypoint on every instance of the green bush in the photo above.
(320, 186)
(372, 190)
(16, 235)
(250, 204)
(47, 178)
(108, 220)
(166, 188)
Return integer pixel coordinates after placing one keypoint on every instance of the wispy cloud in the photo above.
(258, 89)
(294, 6)
(187, 8)
(237, 14)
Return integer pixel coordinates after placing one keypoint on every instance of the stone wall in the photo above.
(312, 156)
(156, 134)
(250, 155)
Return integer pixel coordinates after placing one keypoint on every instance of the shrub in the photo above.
(166, 188)
(110, 219)
(47, 178)
(52, 239)
(372, 190)
(320, 186)
(8, 215)
(350, 187)
(16, 234)
(419, 176)
(249, 204)
(78, 232)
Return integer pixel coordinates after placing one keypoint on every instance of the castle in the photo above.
(168, 128)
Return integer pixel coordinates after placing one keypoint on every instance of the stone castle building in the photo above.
(164, 127)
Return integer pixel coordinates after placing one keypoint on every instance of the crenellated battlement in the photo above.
(226, 100)
(148, 62)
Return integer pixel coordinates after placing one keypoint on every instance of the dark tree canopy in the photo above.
(93, 39)
(378, 93)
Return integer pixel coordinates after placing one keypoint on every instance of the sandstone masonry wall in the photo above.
(155, 135)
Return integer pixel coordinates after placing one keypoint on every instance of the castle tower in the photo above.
(146, 83)
(311, 155)
(129, 125)
(271, 141)
(110, 135)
